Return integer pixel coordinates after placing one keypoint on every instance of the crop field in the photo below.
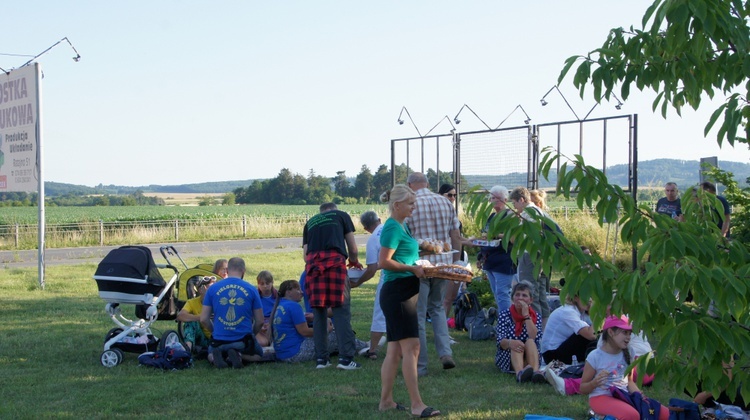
(28, 215)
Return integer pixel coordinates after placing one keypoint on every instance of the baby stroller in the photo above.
(128, 275)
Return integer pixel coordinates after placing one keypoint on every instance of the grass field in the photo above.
(52, 340)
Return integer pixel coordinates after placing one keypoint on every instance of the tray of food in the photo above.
(483, 242)
(449, 272)
(431, 246)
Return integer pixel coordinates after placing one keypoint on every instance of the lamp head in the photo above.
(527, 121)
(544, 103)
(456, 120)
(77, 58)
(400, 121)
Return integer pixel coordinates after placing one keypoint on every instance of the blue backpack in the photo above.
(170, 358)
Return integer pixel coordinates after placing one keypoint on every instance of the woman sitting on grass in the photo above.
(519, 330)
(292, 336)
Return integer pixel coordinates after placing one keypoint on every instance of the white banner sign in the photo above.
(19, 118)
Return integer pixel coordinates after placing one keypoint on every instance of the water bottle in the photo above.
(674, 214)
(575, 361)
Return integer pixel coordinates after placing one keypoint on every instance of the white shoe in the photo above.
(557, 382)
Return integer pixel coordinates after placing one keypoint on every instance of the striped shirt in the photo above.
(434, 217)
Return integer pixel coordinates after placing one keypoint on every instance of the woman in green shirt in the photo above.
(398, 299)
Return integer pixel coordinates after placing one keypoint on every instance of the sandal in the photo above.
(371, 355)
(427, 412)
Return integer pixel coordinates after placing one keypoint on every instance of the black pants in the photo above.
(575, 345)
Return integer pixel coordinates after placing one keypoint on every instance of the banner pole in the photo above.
(40, 172)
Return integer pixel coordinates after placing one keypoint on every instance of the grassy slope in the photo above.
(52, 339)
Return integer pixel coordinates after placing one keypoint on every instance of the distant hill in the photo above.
(651, 173)
(58, 189)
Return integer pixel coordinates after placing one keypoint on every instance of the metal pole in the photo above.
(40, 169)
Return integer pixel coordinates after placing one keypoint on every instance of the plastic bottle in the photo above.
(575, 361)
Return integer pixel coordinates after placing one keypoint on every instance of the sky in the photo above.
(178, 92)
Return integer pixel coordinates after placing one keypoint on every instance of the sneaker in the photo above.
(538, 378)
(322, 363)
(347, 364)
(361, 347)
(219, 361)
(235, 359)
(525, 374)
(452, 341)
(447, 362)
(557, 382)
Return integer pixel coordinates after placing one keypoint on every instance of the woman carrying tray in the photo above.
(495, 260)
(398, 300)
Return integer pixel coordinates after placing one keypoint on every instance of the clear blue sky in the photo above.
(175, 92)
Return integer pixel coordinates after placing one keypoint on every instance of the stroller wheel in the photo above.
(170, 338)
(111, 358)
(111, 333)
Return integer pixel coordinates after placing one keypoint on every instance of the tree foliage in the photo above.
(686, 50)
(694, 339)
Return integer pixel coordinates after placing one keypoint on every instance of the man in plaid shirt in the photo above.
(435, 218)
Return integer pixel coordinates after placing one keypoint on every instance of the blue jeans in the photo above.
(500, 285)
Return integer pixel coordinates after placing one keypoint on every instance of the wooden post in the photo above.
(244, 226)
(17, 236)
(101, 233)
(176, 230)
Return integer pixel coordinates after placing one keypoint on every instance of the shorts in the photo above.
(398, 300)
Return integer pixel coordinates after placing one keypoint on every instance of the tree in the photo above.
(341, 184)
(381, 181)
(363, 184)
(228, 199)
(686, 49)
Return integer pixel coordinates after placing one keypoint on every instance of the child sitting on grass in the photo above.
(268, 296)
(605, 369)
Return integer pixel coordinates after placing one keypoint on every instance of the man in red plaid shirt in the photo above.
(435, 218)
(325, 240)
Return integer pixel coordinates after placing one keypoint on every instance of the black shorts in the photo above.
(398, 300)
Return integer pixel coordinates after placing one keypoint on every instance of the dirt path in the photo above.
(68, 256)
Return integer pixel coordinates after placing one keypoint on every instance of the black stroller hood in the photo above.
(133, 262)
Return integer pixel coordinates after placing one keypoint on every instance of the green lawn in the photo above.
(51, 340)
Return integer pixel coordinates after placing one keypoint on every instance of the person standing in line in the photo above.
(521, 201)
(435, 218)
(233, 314)
(326, 238)
(452, 287)
(496, 260)
(401, 285)
(722, 219)
(670, 203)
(371, 222)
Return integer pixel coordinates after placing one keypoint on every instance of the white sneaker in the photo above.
(322, 364)
(348, 364)
(557, 382)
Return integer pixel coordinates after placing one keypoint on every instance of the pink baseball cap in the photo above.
(621, 322)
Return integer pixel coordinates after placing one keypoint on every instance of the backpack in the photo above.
(466, 305)
(481, 326)
(170, 358)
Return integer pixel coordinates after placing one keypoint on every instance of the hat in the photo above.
(621, 322)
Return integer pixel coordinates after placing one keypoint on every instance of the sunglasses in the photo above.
(451, 195)
(207, 279)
